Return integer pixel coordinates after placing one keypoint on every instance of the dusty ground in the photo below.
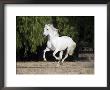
(49, 67)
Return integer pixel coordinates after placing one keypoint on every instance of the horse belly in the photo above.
(60, 44)
(63, 47)
(65, 42)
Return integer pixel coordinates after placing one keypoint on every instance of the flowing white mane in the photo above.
(52, 31)
(51, 25)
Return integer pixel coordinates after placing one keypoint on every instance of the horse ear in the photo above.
(50, 25)
(45, 25)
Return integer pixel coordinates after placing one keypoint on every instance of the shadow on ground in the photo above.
(49, 57)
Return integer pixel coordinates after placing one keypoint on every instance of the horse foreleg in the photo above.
(54, 54)
(60, 56)
(47, 49)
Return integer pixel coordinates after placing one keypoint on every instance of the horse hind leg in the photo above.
(65, 56)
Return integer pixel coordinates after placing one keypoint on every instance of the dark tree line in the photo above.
(29, 32)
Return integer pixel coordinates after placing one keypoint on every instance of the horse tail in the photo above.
(71, 48)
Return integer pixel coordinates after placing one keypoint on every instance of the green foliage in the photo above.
(29, 31)
(67, 27)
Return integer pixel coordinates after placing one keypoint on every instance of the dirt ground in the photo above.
(50, 67)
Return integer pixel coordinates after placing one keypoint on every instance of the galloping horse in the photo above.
(58, 44)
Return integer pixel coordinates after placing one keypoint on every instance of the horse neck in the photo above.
(51, 36)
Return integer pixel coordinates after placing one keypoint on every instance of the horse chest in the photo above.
(50, 46)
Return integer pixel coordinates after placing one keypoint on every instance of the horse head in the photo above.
(49, 29)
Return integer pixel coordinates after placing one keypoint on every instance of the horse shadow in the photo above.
(49, 56)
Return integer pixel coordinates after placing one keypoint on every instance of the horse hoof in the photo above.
(61, 63)
(58, 65)
(45, 60)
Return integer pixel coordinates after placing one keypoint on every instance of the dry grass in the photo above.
(40, 67)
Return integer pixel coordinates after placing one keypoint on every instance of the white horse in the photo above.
(56, 43)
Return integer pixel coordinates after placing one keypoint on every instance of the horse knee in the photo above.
(54, 55)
